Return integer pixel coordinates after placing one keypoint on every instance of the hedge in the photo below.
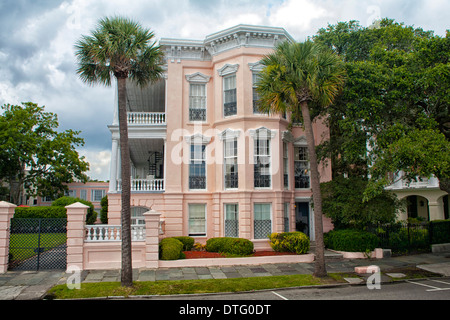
(297, 242)
(91, 215)
(350, 240)
(40, 212)
(440, 231)
(233, 246)
(188, 242)
(170, 249)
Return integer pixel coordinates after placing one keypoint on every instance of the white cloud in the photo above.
(297, 14)
(99, 162)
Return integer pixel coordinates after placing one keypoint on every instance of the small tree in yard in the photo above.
(120, 48)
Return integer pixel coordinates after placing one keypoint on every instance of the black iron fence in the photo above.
(37, 244)
(403, 237)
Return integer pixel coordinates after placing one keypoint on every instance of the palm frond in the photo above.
(118, 47)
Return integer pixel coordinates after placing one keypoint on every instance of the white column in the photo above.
(165, 161)
(113, 166)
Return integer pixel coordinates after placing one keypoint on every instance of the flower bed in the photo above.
(206, 254)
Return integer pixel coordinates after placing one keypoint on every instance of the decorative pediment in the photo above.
(299, 141)
(287, 136)
(229, 134)
(262, 132)
(198, 77)
(228, 69)
(256, 66)
(197, 138)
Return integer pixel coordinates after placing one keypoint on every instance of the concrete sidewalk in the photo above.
(29, 285)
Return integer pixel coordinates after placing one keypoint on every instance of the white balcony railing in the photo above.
(106, 232)
(144, 185)
(146, 118)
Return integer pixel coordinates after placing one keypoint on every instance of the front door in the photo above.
(302, 217)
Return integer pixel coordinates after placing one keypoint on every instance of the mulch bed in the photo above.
(205, 254)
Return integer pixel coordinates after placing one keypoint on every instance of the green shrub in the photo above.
(104, 210)
(440, 231)
(65, 201)
(297, 242)
(233, 246)
(351, 240)
(170, 249)
(188, 242)
(400, 241)
(40, 212)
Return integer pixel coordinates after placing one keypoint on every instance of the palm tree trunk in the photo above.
(319, 269)
(127, 271)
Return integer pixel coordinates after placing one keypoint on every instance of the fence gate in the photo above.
(37, 244)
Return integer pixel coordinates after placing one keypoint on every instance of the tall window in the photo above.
(286, 216)
(231, 164)
(229, 96)
(285, 165)
(197, 220)
(231, 220)
(255, 93)
(97, 195)
(197, 102)
(301, 168)
(262, 178)
(262, 220)
(83, 194)
(137, 215)
(197, 167)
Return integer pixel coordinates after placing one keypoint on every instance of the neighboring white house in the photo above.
(424, 198)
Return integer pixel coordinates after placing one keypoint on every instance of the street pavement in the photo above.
(31, 285)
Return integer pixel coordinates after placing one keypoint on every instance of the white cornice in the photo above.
(198, 77)
(216, 43)
(197, 138)
(228, 69)
(262, 132)
(229, 134)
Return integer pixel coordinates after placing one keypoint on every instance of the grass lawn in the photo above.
(22, 245)
(104, 289)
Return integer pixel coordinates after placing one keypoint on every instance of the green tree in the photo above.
(303, 78)
(34, 155)
(398, 77)
(120, 48)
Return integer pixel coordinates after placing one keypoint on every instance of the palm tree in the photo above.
(303, 78)
(120, 48)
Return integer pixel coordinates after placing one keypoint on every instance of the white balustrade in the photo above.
(146, 118)
(106, 232)
(144, 185)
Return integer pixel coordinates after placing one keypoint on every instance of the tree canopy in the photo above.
(35, 155)
(397, 94)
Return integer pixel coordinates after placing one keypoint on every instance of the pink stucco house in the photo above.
(203, 156)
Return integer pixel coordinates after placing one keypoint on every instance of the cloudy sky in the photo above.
(37, 60)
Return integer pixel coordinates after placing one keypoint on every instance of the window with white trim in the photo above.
(197, 167)
(255, 79)
(262, 220)
(197, 220)
(97, 195)
(197, 102)
(232, 220)
(301, 167)
(262, 176)
(83, 194)
(285, 165)
(286, 216)
(230, 164)
(229, 95)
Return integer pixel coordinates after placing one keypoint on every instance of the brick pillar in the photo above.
(6, 213)
(152, 219)
(76, 216)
